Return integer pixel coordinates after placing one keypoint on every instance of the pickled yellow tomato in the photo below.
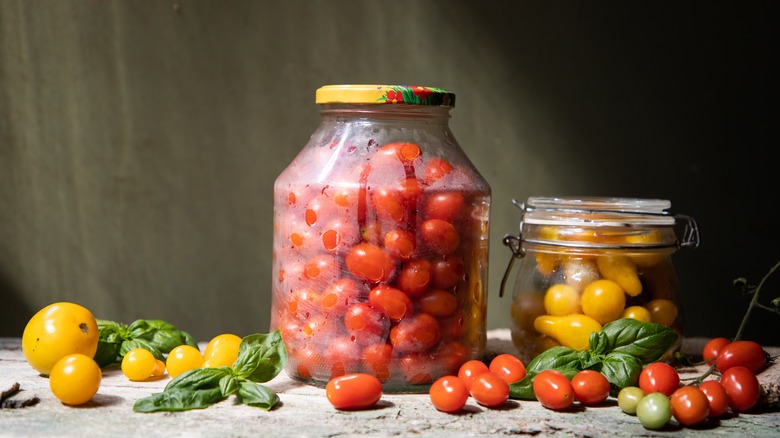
(639, 313)
(222, 350)
(578, 272)
(662, 311)
(546, 263)
(603, 300)
(525, 308)
(571, 331)
(621, 270)
(561, 299)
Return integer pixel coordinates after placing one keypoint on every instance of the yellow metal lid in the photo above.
(382, 94)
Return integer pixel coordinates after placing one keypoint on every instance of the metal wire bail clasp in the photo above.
(690, 233)
(515, 245)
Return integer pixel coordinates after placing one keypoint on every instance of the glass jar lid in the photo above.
(597, 212)
(384, 94)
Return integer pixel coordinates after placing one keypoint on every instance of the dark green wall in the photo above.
(139, 140)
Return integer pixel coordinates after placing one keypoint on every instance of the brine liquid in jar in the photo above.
(585, 262)
(381, 242)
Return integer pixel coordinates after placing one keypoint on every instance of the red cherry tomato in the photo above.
(335, 299)
(508, 366)
(377, 358)
(415, 334)
(353, 391)
(446, 206)
(449, 394)
(369, 262)
(440, 236)
(436, 169)
(690, 406)
(716, 394)
(747, 354)
(414, 277)
(437, 302)
(400, 244)
(365, 324)
(471, 369)
(446, 272)
(395, 304)
(590, 387)
(659, 377)
(553, 390)
(489, 389)
(712, 348)
(418, 368)
(742, 388)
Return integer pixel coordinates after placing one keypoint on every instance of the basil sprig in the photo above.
(619, 351)
(261, 357)
(116, 339)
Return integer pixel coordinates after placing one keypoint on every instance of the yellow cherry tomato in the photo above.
(546, 263)
(138, 364)
(159, 368)
(603, 300)
(639, 313)
(621, 270)
(578, 272)
(75, 379)
(571, 331)
(183, 358)
(662, 311)
(56, 331)
(222, 350)
(561, 299)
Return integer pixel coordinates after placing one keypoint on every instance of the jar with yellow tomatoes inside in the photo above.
(585, 262)
(381, 242)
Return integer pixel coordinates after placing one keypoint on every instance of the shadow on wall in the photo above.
(14, 312)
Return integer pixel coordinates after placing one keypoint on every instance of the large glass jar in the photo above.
(585, 262)
(381, 241)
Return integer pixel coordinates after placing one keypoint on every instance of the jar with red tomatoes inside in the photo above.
(585, 262)
(381, 242)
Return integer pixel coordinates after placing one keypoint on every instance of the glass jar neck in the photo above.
(422, 113)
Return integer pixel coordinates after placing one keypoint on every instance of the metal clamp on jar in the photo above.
(588, 261)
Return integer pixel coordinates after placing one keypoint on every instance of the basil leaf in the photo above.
(198, 378)
(167, 340)
(257, 395)
(556, 358)
(621, 369)
(599, 343)
(261, 357)
(182, 399)
(139, 343)
(644, 340)
(228, 385)
(139, 329)
(107, 353)
(588, 360)
(158, 324)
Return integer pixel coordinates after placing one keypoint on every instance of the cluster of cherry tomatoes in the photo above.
(139, 364)
(379, 269)
(660, 397)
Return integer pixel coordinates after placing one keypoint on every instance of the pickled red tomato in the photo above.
(414, 277)
(447, 272)
(369, 262)
(389, 203)
(335, 299)
(322, 268)
(418, 368)
(447, 206)
(395, 304)
(339, 235)
(440, 236)
(365, 324)
(437, 302)
(391, 153)
(377, 360)
(418, 333)
(342, 355)
(436, 169)
(400, 244)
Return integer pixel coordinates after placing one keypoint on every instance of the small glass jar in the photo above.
(588, 261)
(381, 241)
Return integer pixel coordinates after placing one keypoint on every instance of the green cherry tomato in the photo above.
(628, 398)
(654, 411)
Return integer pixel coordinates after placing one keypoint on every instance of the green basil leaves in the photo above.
(261, 357)
(619, 351)
(116, 339)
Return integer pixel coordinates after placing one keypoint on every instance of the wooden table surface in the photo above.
(304, 411)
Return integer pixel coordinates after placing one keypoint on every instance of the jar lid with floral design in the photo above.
(384, 94)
